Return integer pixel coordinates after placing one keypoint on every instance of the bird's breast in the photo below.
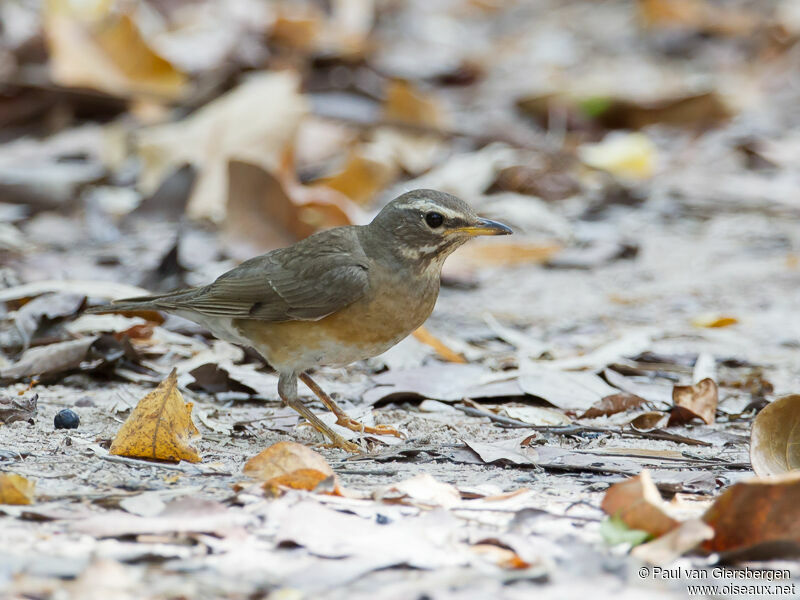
(393, 307)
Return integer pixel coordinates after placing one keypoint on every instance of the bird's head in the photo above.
(427, 225)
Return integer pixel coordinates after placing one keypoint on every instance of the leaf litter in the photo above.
(636, 270)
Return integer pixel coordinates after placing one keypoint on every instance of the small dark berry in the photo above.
(66, 419)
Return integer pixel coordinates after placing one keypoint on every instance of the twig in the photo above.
(578, 429)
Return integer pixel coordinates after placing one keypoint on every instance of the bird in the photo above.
(338, 296)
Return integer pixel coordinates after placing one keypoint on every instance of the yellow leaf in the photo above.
(626, 155)
(106, 52)
(714, 321)
(285, 458)
(160, 427)
(15, 489)
(406, 104)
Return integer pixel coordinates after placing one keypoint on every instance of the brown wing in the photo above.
(307, 281)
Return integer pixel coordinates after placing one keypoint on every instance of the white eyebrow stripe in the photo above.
(428, 205)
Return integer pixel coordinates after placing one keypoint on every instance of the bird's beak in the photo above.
(485, 227)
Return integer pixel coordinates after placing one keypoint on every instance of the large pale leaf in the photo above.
(255, 122)
(775, 437)
(160, 427)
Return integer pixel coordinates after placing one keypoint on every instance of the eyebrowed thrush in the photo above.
(338, 296)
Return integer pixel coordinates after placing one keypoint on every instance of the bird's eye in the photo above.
(434, 219)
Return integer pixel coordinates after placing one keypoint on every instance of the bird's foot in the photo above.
(336, 440)
(353, 425)
(344, 445)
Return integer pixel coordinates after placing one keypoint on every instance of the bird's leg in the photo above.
(342, 417)
(287, 390)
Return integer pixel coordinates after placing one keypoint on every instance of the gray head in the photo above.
(426, 225)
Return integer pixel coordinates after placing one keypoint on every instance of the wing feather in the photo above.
(308, 281)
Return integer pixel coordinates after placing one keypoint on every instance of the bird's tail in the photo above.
(156, 302)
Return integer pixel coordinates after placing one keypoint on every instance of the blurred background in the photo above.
(646, 152)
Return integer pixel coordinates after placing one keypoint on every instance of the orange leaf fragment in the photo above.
(302, 479)
(638, 503)
(160, 427)
(426, 337)
(15, 489)
(499, 555)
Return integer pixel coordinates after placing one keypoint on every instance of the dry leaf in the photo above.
(160, 427)
(507, 450)
(692, 111)
(537, 415)
(342, 33)
(190, 514)
(406, 104)
(302, 479)
(625, 155)
(694, 401)
(775, 437)
(106, 52)
(284, 459)
(15, 489)
(49, 360)
(699, 111)
(552, 181)
(298, 27)
(755, 512)
(662, 551)
(613, 404)
(565, 389)
(360, 179)
(255, 122)
(637, 502)
(426, 337)
(649, 420)
(422, 490)
(270, 210)
(698, 15)
(18, 409)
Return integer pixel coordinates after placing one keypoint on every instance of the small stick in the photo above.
(576, 429)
